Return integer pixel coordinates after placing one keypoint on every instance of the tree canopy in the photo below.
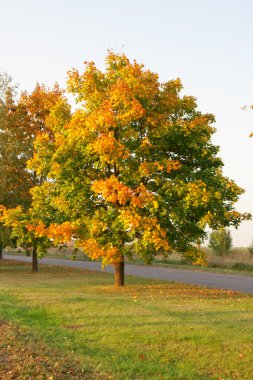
(220, 241)
(21, 120)
(133, 168)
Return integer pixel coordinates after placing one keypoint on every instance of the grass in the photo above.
(147, 330)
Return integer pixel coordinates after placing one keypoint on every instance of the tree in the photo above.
(21, 120)
(7, 96)
(250, 248)
(21, 225)
(220, 241)
(133, 168)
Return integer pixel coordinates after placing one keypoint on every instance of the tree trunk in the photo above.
(119, 274)
(1, 253)
(35, 260)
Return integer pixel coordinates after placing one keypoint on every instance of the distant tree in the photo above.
(250, 248)
(220, 241)
(133, 168)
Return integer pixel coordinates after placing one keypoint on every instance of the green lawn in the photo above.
(148, 330)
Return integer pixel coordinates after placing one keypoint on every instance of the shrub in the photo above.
(242, 266)
(220, 241)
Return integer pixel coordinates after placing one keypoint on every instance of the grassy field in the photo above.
(72, 324)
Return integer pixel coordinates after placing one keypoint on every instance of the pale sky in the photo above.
(206, 43)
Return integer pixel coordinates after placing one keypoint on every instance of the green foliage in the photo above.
(6, 240)
(220, 241)
(242, 267)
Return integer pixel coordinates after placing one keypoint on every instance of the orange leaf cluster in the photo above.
(114, 191)
(103, 119)
(59, 233)
(172, 165)
(142, 197)
(108, 148)
(108, 253)
(39, 229)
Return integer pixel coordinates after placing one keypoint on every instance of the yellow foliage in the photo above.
(197, 194)
(155, 235)
(130, 218)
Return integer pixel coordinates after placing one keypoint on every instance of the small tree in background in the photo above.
(220, 241)
(250, 248)
(28, 231)
(20, 224)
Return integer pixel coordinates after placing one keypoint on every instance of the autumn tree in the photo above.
(21, 224)
(21, 120)
(133, 168)
(28, 231)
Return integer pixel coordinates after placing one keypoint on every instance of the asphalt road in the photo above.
(212, 280)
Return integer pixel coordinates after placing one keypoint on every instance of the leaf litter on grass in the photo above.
(24, 358)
